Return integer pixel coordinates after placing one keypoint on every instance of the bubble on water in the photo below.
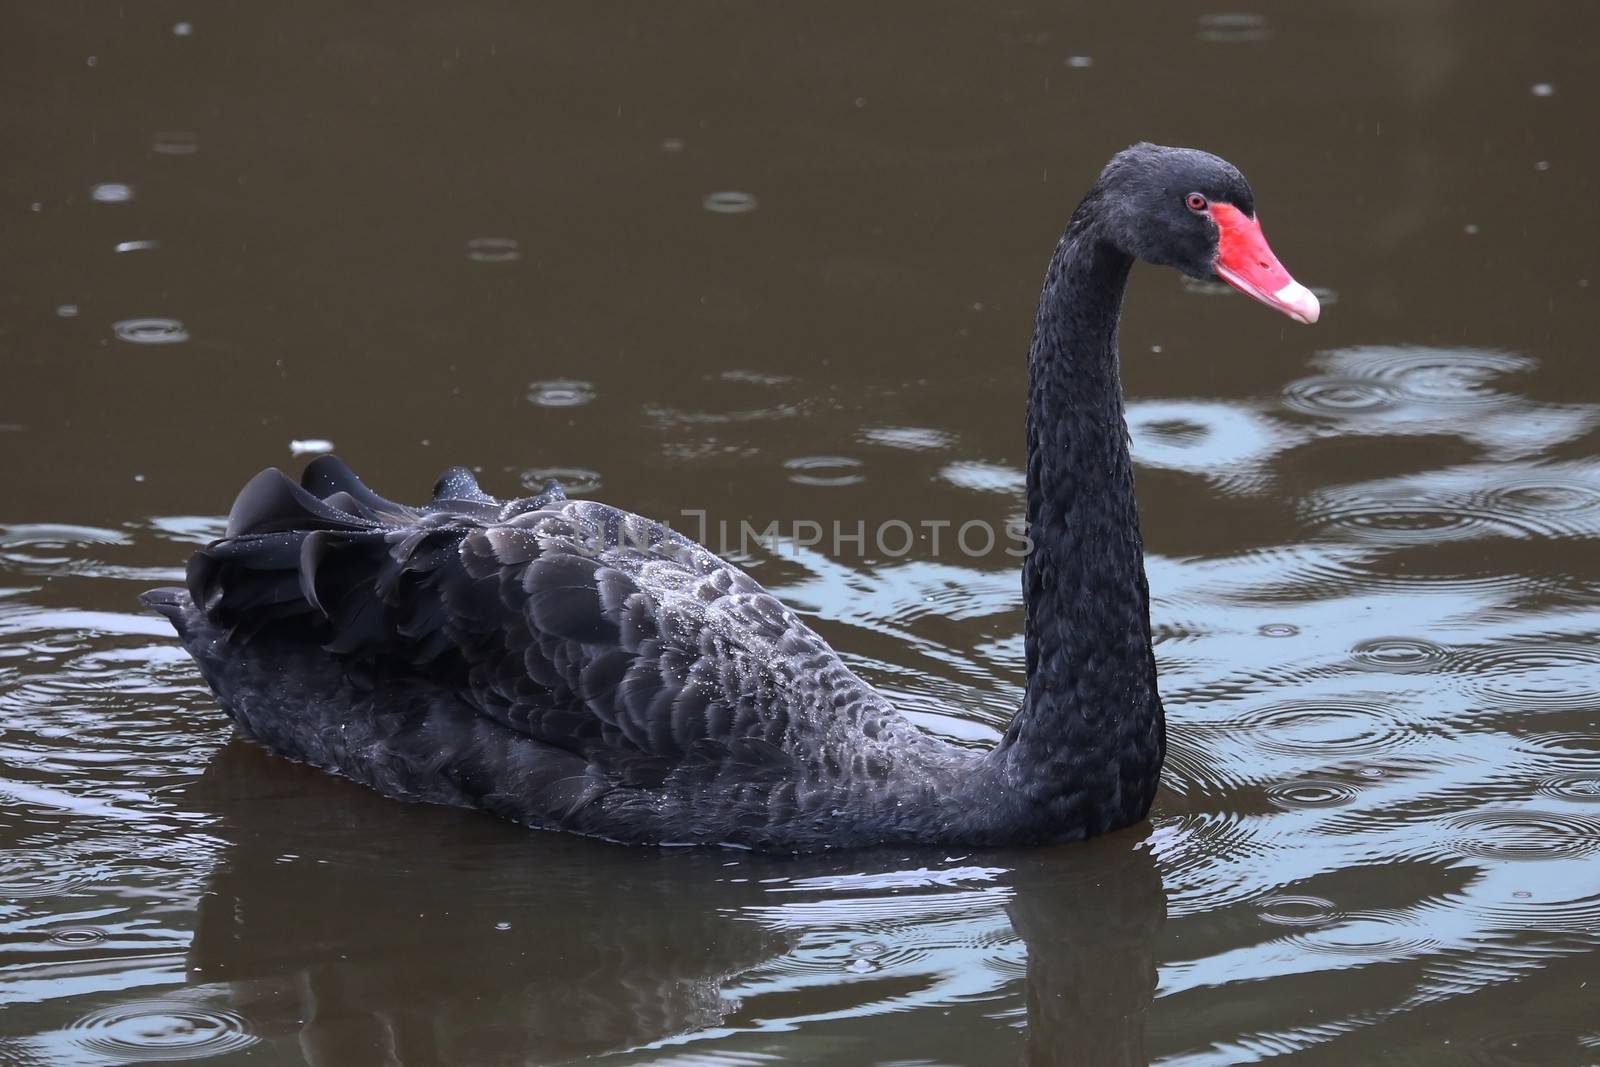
(673, 144)
(729, 202)
(1518, 834)
(183, 29)
(1541, 165)
(1471, 229)
(174, 143)
(150, 331)
(860, 966)
(137, 246)
(493, 250)
(1288, 909)
(67, 311)
(502, 926)
(561, 393)
(1542, 89)
(1080, 62)
(1278, 629)
(575, 481)
(1233, 27)
(310, 446)
(112, 192)
(1310, 793)
(824, 470)
(160, 1031)
(1398, 655)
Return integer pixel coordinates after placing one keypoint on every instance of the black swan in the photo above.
(576, 667)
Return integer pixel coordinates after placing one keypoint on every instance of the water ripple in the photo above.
(984, 477)
(1289, 909)
(1310, 793)
(150, 331)
(1328, 395)
(1534, 1047)
(1410, 391)
(174, 143)
(560, 393)
(1377, 933)
(1327, 728)
(1229, 444)
(911, 438)
(1576, 786)
(1545, 676)
(824, 470)
(1542, 908)
(1518, 834)
(36, 872)
(577, 481)
(729, 203)
(493, 250)
(1398, 655)
(77, 936)
(1557, 500)
(161, 1031)
(1233, 27)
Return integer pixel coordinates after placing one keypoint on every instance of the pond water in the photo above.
(778, 264)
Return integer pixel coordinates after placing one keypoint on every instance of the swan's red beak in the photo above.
(1246, 262)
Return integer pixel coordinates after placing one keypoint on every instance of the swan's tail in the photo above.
(328, 561)
(199, 635)
(170, 601)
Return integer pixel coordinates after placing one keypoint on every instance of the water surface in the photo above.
(768, 265)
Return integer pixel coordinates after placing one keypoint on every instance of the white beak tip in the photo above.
(1300, 303)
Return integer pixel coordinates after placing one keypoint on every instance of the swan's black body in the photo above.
(576, 667)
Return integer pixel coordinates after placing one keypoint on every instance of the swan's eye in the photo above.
(1196, 202)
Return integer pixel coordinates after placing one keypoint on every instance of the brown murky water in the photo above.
(780, 264)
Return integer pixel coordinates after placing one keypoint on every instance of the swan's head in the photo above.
(1183, 208)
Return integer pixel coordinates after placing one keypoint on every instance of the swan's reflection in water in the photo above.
(345, 929)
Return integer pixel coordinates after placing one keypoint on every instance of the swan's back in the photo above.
(560, 662)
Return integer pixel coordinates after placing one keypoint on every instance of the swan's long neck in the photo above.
(1086, 748)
